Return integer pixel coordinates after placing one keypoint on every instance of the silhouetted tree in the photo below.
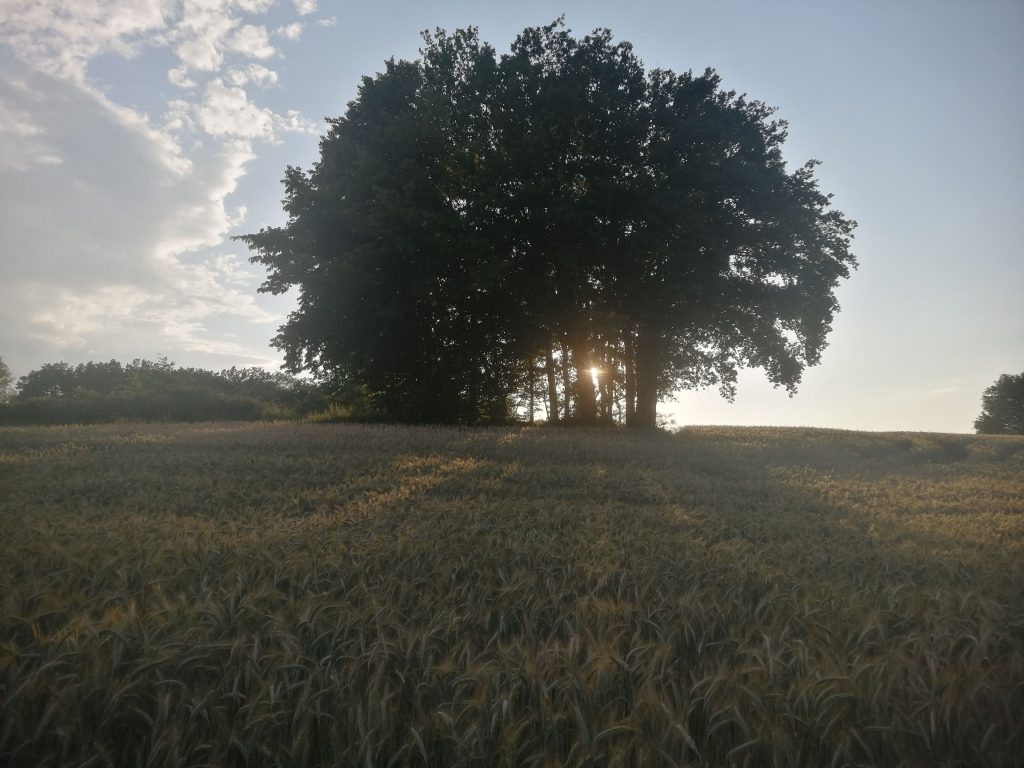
(1002, 407)
(476, 223)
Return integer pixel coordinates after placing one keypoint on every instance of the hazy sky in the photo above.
(137, 136)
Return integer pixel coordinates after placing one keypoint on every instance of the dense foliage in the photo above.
(1002, 407)
(60, 393)
(553, 226)
(250, 595)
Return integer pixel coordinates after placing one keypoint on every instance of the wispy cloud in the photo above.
(23, 143)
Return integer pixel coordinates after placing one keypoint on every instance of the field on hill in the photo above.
(300, 595)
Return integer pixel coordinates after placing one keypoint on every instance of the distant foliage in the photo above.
(1002, 407)
(147, 390)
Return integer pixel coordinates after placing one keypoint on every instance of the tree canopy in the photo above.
(1002, 407)
(554, 225)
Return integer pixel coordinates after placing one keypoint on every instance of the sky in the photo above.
(137, 136)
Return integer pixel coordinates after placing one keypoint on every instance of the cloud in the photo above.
(226, 111)
(255, 6)
(294, 121)
(252, 41)
(93, 246)
(328, 22)
(256, 74)
(114, 224)
(61, 37)
(305, 7)
(22, 141)
(179, 76)
(202, 33)
(290, 31)
(209, 31)
(201, 53)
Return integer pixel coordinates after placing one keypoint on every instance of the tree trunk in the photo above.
(586, 399)
(566, 382)
(648, 361)
(533, 374)
(606, 387)
(549, 369)
(629, 363)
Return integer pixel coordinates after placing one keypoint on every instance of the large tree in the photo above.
(1002, 407)
(476, 223)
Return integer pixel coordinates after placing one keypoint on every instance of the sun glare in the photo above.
(594, 374)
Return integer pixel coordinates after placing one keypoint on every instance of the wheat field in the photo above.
(339, 595)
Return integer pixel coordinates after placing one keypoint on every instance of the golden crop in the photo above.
(335, 595)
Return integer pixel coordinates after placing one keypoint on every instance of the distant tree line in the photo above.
(552, 230)
(59, 393)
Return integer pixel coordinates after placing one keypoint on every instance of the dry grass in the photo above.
(302, 595)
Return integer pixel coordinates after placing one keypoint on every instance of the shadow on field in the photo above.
(794, 507)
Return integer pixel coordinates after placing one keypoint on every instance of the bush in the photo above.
(180, 405)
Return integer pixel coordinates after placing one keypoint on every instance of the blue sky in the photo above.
(137, 136)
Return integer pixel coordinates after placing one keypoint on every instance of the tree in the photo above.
(478, 222)
(6, 382)
(734, 261)
(49, 380)
(65, 380)
(1002, 407)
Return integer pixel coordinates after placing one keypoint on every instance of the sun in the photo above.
(595, 374)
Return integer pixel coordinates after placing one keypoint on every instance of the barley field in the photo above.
(335, 595)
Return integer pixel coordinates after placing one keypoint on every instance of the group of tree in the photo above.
(554, 229)
(153, 390)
